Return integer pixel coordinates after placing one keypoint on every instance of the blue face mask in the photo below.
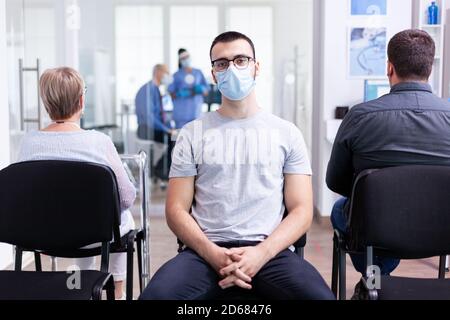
(235, 84)
(186, 63)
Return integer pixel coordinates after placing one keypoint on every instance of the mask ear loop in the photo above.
(254, 76)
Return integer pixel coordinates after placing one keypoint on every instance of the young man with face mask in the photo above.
(235, 173)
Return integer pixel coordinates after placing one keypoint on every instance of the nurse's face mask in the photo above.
(235, 80)
(186, 63)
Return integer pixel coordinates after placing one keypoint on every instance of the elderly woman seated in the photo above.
(63, 93)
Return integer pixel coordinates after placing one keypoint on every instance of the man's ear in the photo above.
(390, 69)
(257, 69)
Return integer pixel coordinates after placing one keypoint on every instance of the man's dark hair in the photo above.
(231, 36)
(412, 54)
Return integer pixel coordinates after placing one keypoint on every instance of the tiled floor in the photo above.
(318, 251)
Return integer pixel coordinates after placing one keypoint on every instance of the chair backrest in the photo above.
(58, 205)
(402, 212)
(301, 243)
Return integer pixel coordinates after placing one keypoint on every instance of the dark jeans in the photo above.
(161, 170)
(339, 221)
(189, 277)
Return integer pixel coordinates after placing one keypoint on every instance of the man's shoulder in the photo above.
(392, 102)
(279, 123)
(268, 116)
(383, 104)
(369, 106)
(144, 89)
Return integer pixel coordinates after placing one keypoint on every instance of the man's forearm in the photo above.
(188, 231)
(291, 229)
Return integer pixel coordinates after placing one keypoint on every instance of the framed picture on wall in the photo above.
(367, 54)
(368, 7)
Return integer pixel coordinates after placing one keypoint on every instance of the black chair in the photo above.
(402, 213)
(56, 208)
(43, 209)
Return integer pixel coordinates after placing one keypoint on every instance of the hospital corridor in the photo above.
(224, 150)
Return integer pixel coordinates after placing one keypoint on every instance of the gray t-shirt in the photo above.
(239, 167)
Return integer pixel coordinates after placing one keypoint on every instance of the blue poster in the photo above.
(369, 7)
(367, 52)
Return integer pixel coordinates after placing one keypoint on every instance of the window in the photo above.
(40, 36)
(193, 28)
(140, 42)
(139, 47)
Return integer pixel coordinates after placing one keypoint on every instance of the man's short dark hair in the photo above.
(231, 36)
(412, 54)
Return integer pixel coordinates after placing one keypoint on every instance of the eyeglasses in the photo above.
(240, 62)
(85, 90)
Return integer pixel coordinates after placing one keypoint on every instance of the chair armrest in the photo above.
(301, 243)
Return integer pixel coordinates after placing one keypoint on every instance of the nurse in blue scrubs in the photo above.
(188, 90)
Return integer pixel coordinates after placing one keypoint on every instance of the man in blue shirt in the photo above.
(149, 108)
(152, 119)
(188, 91)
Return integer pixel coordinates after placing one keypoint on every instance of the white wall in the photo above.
(5, 251)
(336, 88)
(293, 26)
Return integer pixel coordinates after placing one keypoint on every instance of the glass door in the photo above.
(31, 45)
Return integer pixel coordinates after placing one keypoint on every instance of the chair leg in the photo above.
(139, 257)
(54, 264)
(301, 253)
(18, 259)
(129, 282)
(342, 274)
(335, 268)
(152, 155)
(108, 286)
(38, 261)
(442, 262)
(98, 289)
(110, 294)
